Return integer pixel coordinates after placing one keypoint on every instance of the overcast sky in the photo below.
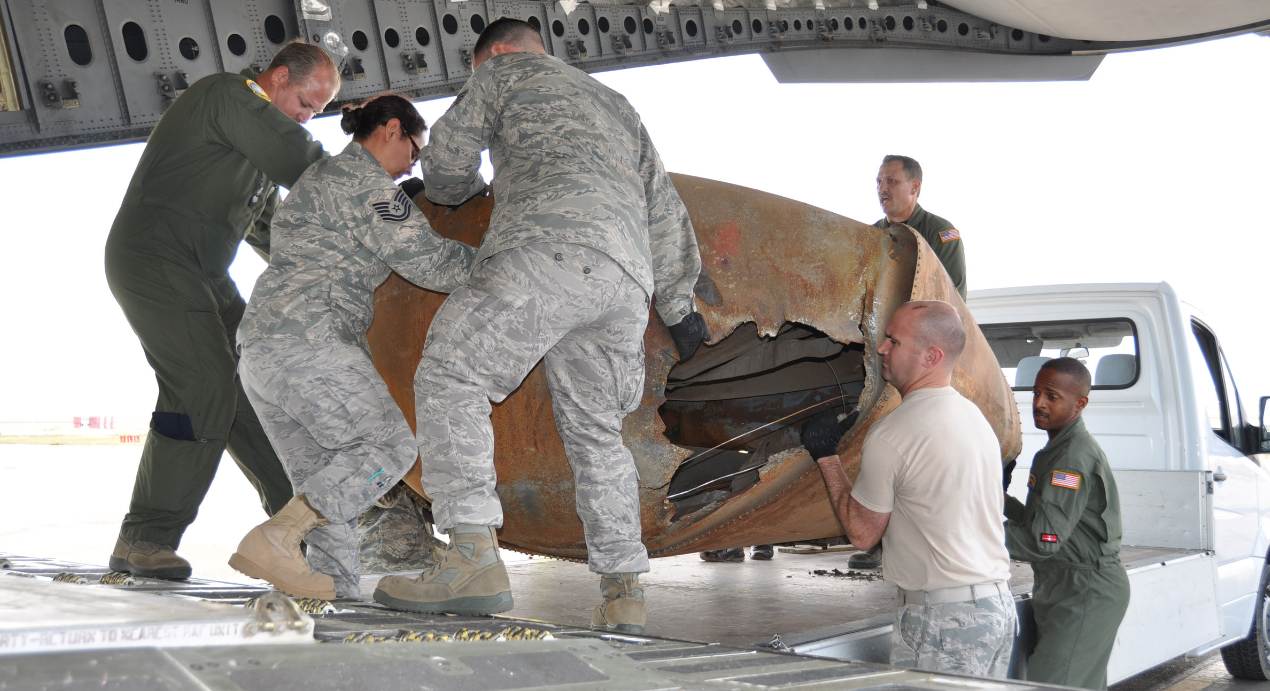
(1154, 170)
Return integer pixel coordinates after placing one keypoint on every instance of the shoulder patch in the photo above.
(1031, 479)
(257, 90)
(1062, 479)
(1049, 537)
(395, 210)
(949, 235)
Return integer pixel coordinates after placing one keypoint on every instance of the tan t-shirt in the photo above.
(934, 464)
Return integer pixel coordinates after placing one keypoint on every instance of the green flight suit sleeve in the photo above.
(1052, 511)
(451, 162)
(275, 144)
(410, 246)
(952, 254)
(1013, 508)
(258, 235)
(672, 242)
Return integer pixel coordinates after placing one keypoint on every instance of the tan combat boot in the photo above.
(469, 579)
(623, 608)
(148, 560)
(271, 552)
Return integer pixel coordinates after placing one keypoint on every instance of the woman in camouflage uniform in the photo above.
(306, 366)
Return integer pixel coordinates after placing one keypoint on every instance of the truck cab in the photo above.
(1166, 410)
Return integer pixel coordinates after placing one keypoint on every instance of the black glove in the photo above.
(1009, 469)
(411, 187)
(822, 432)
(689, 334)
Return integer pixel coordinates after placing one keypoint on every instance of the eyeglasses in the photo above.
(414, 151)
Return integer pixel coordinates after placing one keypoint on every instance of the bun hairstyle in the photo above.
(361, 121)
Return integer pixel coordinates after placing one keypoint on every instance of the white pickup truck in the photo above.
(1195, 498)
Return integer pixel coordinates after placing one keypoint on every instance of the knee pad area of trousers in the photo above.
(173, 426)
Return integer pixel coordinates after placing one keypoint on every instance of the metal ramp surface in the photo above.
(361, 645)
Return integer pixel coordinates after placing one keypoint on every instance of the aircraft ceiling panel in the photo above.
(1123, 20)
(364, 72)
(409, 48)
(87, 72)
(66, 81)
(144, 51)
(249, 32)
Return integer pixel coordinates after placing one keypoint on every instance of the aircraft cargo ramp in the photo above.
(83, 634)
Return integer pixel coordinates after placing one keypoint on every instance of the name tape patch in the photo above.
(1047, 537)
(255, 89)
(395, 210)
(1068, 480)
(949, 235)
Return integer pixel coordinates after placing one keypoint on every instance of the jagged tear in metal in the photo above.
(796, 298)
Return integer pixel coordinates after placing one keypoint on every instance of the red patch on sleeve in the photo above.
(1046, 537)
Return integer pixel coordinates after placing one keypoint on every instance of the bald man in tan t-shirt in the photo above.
(930, 489)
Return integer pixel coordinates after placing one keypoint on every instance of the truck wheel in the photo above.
(1250, 658)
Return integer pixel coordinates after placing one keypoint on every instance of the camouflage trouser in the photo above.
(973, 637)
(580, 311)
(397, 534)
(342, 439)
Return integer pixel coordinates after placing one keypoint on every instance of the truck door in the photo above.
(1235, 476)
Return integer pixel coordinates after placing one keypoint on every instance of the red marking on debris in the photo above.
(727, 242)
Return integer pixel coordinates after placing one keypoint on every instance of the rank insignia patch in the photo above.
(255, 89)
(1031, 480)
(1068, 480)
(949, 235)
(1046, 537)
(395, 211)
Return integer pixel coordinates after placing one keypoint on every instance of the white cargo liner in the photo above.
(39, 615)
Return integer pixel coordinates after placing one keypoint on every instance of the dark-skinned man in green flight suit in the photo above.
(899, 185)
(208, 179)
(1070, 531)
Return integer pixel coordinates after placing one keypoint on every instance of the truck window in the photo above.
(1206, 371)
(1108, 347)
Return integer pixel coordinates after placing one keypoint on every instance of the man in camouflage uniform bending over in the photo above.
(586, 228)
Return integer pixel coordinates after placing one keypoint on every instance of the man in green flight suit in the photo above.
(1070, 530)
(206, 181)
(899, 185)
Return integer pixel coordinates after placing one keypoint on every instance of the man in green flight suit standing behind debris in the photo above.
(899, 185)
(206, 181)
(1070, 530)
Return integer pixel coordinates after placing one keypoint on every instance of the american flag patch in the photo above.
(949, 235)
(1068, 480)
(1046, 537)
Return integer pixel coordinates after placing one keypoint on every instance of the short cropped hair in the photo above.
(301, 59)
(510, 31)
(939, 325)
(912, 169)
(1073, 368)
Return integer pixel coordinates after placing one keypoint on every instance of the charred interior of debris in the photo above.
(739, 402)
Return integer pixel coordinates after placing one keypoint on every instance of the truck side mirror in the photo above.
(1265, 426)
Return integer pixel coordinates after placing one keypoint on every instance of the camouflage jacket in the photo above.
(572, 163)
(342, 230)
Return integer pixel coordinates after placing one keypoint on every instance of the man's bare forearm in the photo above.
(838, 484)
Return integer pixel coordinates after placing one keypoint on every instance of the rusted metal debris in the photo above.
(850, 574)
(782, 284)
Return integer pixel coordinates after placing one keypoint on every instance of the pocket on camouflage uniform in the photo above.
(913, 625)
